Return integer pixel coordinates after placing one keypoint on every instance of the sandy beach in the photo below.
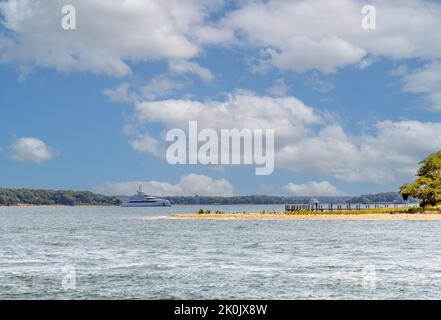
(324, 216)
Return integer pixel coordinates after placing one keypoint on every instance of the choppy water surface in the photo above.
(110, 253)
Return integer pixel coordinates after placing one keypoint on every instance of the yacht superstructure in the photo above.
(141, 199)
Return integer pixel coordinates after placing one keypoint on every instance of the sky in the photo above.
(354, 109)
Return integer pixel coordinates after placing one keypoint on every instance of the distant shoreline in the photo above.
(37, 197)
(54, 205)
(306, 217)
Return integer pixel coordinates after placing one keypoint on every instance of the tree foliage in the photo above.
(427, 185)
(385, 197)
(11, 197)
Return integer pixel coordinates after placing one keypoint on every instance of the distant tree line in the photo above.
(253, 199)
(11, 197)
(386, 197)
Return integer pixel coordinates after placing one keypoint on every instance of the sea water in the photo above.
(135, 253)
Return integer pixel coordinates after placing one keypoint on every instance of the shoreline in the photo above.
(436, 216)
(54, 206)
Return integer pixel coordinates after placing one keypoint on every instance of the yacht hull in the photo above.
(157, 203)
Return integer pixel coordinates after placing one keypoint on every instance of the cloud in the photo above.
(427, 81)
(327, 35)
(184, 67)
(189, 185)
(110, 34)
(294, 35)
(30, 150)
(24, 72)
(326, 55)
(159, 86)
(391, 151)
(313, 189)
(145, 143)
(317, 82)
(287, 116)
(119, 94)
(291, 34)
(241, 109)
(306, 140)
(278, 88)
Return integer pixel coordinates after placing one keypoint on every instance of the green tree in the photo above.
(427, 186)
(10, 197)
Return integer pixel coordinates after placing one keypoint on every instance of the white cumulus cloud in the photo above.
(427, 81)
(121, 93)
(159, 86)
(110, 33)
(184, 67)
(189, 185)
(241, 109)
(313, 189)
(296, 35)
(278, 89)
(145, 143)
(30, 150)
(327, 35)
(306, 140)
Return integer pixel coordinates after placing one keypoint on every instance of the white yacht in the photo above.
(140, 199)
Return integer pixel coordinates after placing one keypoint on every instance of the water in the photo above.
(111, 253)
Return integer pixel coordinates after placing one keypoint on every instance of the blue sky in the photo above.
(70, 101)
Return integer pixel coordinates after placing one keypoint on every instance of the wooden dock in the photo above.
(339, 207)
